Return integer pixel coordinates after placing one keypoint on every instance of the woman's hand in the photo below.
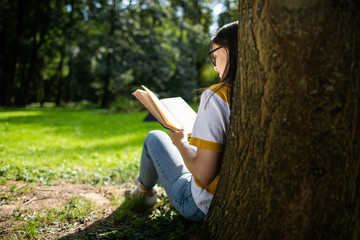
(179, 137)
(204, 164)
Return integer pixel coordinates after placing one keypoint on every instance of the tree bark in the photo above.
(109, 58)
(106, 79)
(10, 42)
(55, 80)
(40, 16)
(291, 167)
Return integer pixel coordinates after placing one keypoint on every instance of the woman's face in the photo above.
(221, 55)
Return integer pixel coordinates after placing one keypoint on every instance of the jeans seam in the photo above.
(162, 174)
(179, 200)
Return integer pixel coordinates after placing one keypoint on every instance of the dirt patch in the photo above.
(19, 200)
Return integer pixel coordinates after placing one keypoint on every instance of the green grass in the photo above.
(13, 192)
(162, 223)
(45, 144)
(77, 210)
(133, 220)
(87, 146)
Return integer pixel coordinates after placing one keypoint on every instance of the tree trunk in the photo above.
(23, 97)
(70, 35)
(109, 58)
(55, 80)
(10, 43)
(40, 16)
(106, 79)
(291, 168)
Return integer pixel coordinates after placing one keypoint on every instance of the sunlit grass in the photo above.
(49, 143)
(89, 146)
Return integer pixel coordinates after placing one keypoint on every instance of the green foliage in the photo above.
(230, 14)
(126, 105)
(64, 51)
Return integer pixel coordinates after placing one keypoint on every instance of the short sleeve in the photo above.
(211, 124)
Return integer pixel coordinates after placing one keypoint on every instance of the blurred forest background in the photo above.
(100, 51)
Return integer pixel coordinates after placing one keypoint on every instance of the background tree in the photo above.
(229, 14)
(21, 40)
(99, 51)
(292, 162)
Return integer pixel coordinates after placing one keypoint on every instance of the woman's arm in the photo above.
(204, 164)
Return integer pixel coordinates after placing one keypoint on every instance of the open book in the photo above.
(172, 113)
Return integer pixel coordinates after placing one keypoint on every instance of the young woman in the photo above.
(189, 171)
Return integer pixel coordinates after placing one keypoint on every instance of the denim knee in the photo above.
(155, 135)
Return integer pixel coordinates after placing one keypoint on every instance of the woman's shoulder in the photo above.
(221, 90)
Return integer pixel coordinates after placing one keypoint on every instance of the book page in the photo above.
(183, 113)
(167, 116)
(145, 100)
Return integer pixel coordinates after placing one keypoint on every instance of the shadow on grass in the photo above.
(133, 220)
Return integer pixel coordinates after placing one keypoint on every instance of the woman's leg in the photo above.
(161, 161)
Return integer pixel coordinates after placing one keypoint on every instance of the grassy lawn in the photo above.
(43, 150)
(45, 144)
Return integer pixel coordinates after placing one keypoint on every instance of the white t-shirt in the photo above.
(209, 132)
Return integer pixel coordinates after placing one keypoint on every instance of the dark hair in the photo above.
(226, 37)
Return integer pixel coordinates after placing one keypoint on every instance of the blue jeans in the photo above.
(162, 162)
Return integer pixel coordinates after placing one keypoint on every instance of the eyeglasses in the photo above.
(212, 57)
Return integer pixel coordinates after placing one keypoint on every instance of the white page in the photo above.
(181, 111)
